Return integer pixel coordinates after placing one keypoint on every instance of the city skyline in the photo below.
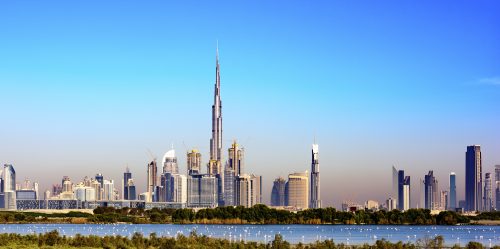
(89, 119)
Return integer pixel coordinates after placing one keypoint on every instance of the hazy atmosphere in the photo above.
(90, 88)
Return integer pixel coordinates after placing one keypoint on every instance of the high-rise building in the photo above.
(248, 190)
(108, 190)
(202, 191)
(169, 162)
(473, 179)
(406, 197)
(278, 192)
(488, 193)
(127, 175)
(8, 178)
(432, 197)
(151, 180)
(315, 187)
(193, 162)
(99, 178)
(229, 186)
(297, 190)
(444, 200)
(453, 192)
(236, 159)
(131, 192)
(214, 165)
(497, 187)
(390, 204)
(395, 184)
(98, 189)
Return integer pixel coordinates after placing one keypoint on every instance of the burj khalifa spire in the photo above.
(214, 166)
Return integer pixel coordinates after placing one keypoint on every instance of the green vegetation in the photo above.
(261, 214)
(258, 214)
(54, 240)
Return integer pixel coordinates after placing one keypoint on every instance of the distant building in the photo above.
(488, 193)
(372, 205)
(297, 190)
(108, 190)
(193, 162)
(453, 192)
(432, 197)
(8, 178)
(315, 183)
(202, 191)
(84, 193)
(444, 200)
(229, 186)
(497, 187)
(391, 204)
(127, 175)
(278, 192)
(131, 191)
(473, 179)
(248, 190)
(100, 179)
(395, 184)
(151, 180)
(169, 162)
(236, 159)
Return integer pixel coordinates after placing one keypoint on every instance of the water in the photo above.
(348, 234)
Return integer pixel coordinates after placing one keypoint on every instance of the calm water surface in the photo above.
(350, 234)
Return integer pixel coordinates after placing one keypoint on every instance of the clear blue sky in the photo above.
(88, 87)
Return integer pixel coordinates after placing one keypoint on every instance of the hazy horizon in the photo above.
(91, 87)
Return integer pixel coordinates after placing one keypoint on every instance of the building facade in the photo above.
(297, 190)
(278, 192)
(453, 192)
(432, 197)
(473, 179)
(488, 193)
(315, 183)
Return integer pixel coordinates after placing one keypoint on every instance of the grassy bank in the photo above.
(54, 240)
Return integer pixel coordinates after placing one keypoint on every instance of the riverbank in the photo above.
(53, 239)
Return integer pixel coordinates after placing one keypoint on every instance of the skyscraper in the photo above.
(126, 176)
(297, 190)
(229, 185)
(278, 192)
(488, 193)
(214, 166)
(236, 158)
(497, 187)
(432, 197)
(395, 185)
(202, 191)
(473, 179)
(151, 180)
(248, 190)
(8, 178)
(453, 192)
(99, 178)
(169, 162)
(193, 162)
(406, 194)
(315, 187)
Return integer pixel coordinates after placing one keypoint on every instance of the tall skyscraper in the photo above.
(278, 192)
(126, 177)
(473, 179)
(432, 197)
(132, 195)
(315, 187)
(214, 166)
(497, 187)
(229, 186)
(406, 197)
(151, 180)
(403, 190)
(453, 192)
(297, 190)
(488, 193)
(169, 162)
(193, 162)
(99, 178)
(236, 159)
(395, 185)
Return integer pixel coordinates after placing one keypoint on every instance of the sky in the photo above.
(89, 87)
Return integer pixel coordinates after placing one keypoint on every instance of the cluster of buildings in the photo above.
(478, 190)
(224, 183)
(301, 190)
